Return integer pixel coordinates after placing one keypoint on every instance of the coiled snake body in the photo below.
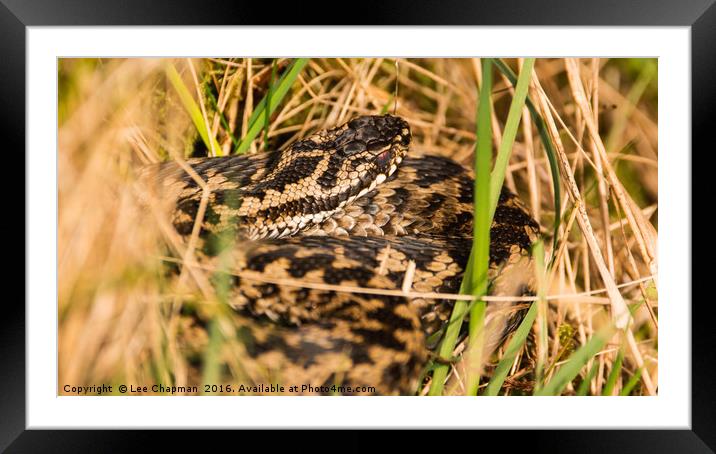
(345, 208)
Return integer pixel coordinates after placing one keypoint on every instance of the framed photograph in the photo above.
(417, 219)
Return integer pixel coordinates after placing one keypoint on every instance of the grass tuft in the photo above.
(192, 108)
(268, 104)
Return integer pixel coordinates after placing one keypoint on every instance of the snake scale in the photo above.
(351, 207)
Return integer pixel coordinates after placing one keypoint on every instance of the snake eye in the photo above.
(376, 146)
(353, 147)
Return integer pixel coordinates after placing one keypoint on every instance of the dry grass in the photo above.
(118, 315)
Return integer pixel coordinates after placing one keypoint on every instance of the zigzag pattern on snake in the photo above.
(348, 206)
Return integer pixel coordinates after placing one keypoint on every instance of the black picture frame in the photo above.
(17, 15)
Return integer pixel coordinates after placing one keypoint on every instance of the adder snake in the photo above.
(346, 207)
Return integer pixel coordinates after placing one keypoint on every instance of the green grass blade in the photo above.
(277, 94)
(448, 344)
(487, 190)
(519, 338)
(584, 386)
(267, 114)
(259, 108)
(222, 118)
(510, 132)
(541, 303)
(631, 383)
(212, 365)
(388, 105)
(221, 280)
(614, 374)
(548, 147)
(192, 108)
(497, 179)
(579, 359)
(477, 279)
(471, 283)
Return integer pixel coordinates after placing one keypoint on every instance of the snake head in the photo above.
(313, 178)
(373, 146)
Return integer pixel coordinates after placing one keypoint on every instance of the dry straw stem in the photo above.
(601, 184)
(582, 297)
(643, 231)
(212, 139)
(620, 312)
(188, 254)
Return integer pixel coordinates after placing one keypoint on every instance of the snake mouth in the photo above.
(387, 161)
(383, 159)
